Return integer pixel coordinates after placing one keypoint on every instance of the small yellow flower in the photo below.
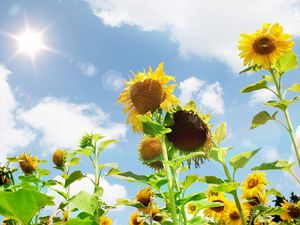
(105, 221)
(150, 148)
(254, 185)
(233, 217)
(145, 93)
(292, 211)
(192, 209)
(28, 163)
(145, 197)
(135, 219)
(263, 47)
(217, 213)
(58, 157)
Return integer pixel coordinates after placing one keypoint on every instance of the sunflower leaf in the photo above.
(211, 180)
(255, 86)
(226, 187)
(253, 68)
(151, 127)
(281, 104)
(240, 160)
(197, 220)
(204, 204)
(273, 191)
(81, 222)
(189, 180)
(286, 62)
(128, 176)
(192, 197)
(295, 88)
(261, 118)
(218, 154)
(86, 202)
(277, 165)
(76, 175)
(220, 132)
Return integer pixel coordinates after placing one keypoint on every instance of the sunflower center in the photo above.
(218, 208)
(254, 201)
(150, 148)
(264, 45)
(146, 96)
(189, 132)
(252, 183)
(234, 215)
(192, 208)
(294, 211)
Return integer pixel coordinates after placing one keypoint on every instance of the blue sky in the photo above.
(97, 43)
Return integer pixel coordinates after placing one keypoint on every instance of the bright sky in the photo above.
(70, 83)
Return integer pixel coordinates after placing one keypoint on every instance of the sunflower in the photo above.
(218, 212)
(135, 219)
(190, 131)
(28, 163)
(212, 193)
(191, 208)
(233, 217)
(145, 197)
(263, 47)
(291, 211)
(259, 199)
(254, 185)
(156, 216)
(105, 221)
(145, 93)
(58, 157)
(263, 221)
(150, 148)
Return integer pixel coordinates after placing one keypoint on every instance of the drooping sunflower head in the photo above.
(190, 131)
(145, 93)
(58, 157)
(233, 216)
(135, 219)
(28, 163)
(291, 211)
(145, 197)
(254, 185)
(263, 47)
(150, 148)
(4, 175)
(217, 212)
(156, 214)
(104, 220)
(192, 208)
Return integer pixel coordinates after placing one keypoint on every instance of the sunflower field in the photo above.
(174, 139)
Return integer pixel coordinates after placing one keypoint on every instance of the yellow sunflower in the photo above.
(145, 197)
(150, 148)
(145, 93)
(58, 157)
(254, 185)
(291, 211)
(233, 217)
(192, 209)
(217, 213)
(135, 219)
(263, 47)
(28, 163)
(156, 214)
(105, 221)
(259, 199)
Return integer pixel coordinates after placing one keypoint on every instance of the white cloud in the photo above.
(62, 123)
(113, 80)
(13, 136)
(88, 69)
(261, 96)
(111, 192)
(271, 154)
(207, 96)
(209, 29)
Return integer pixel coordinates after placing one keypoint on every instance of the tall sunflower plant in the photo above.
(174, 137)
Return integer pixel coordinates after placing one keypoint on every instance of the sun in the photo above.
(30, 42)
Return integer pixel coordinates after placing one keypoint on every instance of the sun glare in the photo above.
(30, 42)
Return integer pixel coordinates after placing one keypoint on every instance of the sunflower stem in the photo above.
(287, 116)
(234, 193)
(170, 178)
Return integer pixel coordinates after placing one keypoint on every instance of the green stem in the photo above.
(287, 117)
(234, 193)
(97, 178)
(171, 201)
(183, 214)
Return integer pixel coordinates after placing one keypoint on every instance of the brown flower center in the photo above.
(234, 215)
(150, 148)
(294, 211)
(252, 183)
(192, 208)
(218, 208)
(264, 44)
(146, 96)
(254, 201)
(188, 132)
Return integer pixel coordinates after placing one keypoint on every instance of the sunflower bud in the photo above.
(150, 148)
(28, 163)
(58, 157)
(145, 197)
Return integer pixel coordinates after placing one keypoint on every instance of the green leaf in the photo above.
(226, 187)
(84, 151)
(128, 176)
(73, 162)
(43, 172)
(295, 88)
(12, 159)
(281, 104)
(135, 204)
(255, 86)
(253, 68)
(220, 132)
(189, 180)
(151, 127)
(197, 220)
(80, 222)
(218, 154)
(23, 204)
(76, 175)
(106, 143)
(261, 118)
(211, 180)
(277, 165)
(204, 204)
(269, 78)
(86, 202)
(240, 160)
(286, 62)
(192, 197)
(273, 191)
(108, 165)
